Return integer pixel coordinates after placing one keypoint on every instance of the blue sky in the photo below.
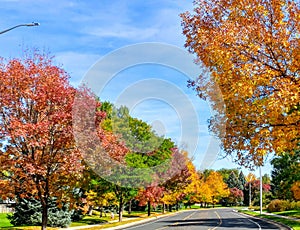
(79, 33)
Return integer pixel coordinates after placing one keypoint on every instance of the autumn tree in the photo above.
(217, 187)
(192, 188)
(39, 158)
(251, 49)
(296, 190)
(98, 192)
(255, 192)
(204, 195)
(247, 192)
(150, 196)
(236, 196)
(250, 177)
(184, 186)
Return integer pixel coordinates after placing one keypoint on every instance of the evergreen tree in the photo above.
(226, 173)
(242, 181)
(232, 181)
(28, 211)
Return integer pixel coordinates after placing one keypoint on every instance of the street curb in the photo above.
(269, 221)
(143, 220)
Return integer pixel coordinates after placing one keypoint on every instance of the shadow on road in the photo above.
(237, 223)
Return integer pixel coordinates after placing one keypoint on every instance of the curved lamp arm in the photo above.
(29, 24)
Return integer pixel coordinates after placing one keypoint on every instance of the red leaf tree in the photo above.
(150, 196)
(39, 157)
(236, 196)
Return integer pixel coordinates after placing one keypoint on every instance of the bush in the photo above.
(280, 206)
(295, 205)
(29, 212)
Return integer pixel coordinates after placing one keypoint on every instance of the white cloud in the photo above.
(122, 31)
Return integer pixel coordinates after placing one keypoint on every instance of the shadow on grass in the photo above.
(132, 215)
(291, 213)
(90, 220)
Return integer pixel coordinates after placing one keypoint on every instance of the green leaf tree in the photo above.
(286, 171)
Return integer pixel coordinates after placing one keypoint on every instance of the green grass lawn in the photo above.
(293, 224)
(95, 219)
(4, 222)
(87, 220)
(292, 213)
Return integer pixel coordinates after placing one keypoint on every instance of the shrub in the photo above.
(279, 206)
(295, 205)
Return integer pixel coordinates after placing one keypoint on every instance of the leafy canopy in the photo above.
(251, 49)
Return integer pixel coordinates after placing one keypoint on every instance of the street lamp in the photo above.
(250, 180)
(260, 191)
(28, 24)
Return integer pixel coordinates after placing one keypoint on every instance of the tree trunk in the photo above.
(121, 209)
(44, 215)
(90, 212)
(149, 208)
(163, 208)
(129, 206)
(101, 211)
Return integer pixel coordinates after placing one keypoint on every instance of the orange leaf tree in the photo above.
(39, 158)
(251, 49)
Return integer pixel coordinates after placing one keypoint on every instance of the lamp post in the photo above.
(250, 180)
(260, 190)
(28, 24)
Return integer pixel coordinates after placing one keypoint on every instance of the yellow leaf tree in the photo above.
(250, 177)
(296, 190)
(205, 193)
(192, 189)
(251, 49)
(217, 187)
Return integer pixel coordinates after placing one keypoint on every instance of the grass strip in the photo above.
(291, 223)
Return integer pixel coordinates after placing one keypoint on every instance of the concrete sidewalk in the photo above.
(285, 217)
(136, 220)
(101, 224)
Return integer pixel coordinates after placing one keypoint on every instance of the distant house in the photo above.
(6, 206)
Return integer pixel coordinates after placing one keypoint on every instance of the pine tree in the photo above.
(232, 181)
(28, 211)
(242, 181)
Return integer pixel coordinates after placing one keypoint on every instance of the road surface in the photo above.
(210, 219)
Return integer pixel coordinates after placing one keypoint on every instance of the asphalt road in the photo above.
(210, 219)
